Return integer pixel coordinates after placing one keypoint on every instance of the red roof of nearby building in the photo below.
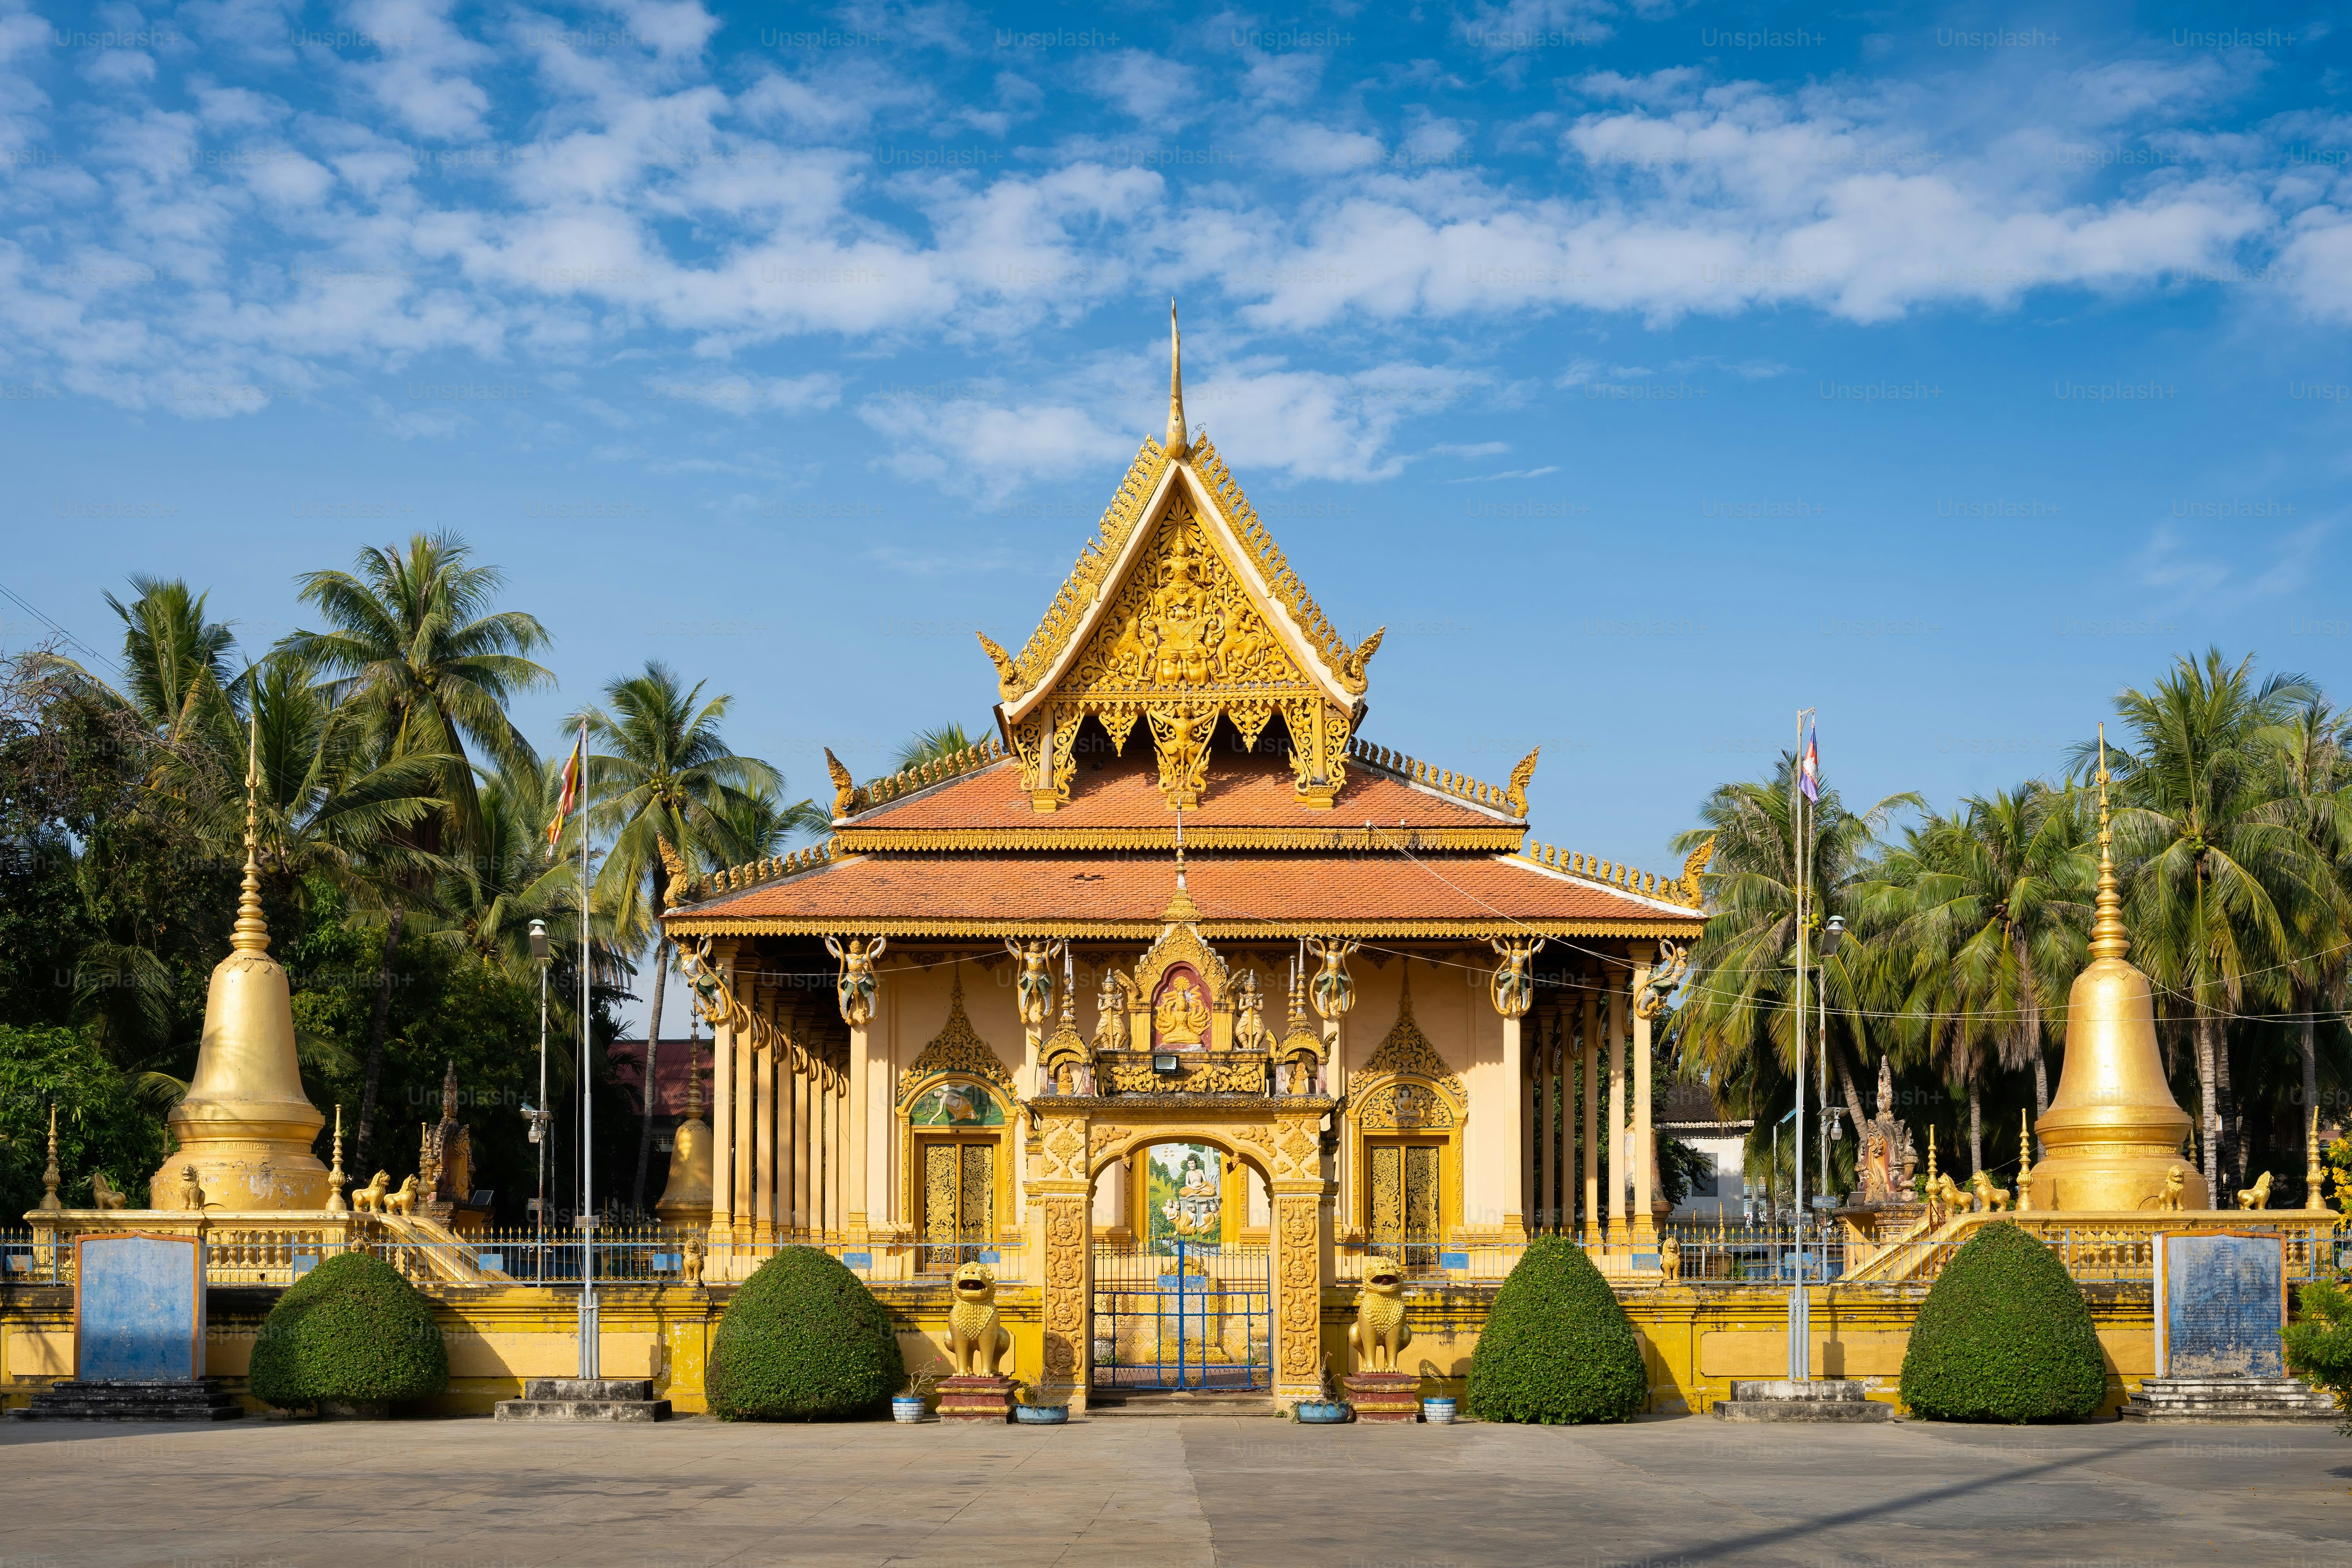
(672, 1064)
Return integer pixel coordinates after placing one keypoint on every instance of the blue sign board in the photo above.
(139, 1308)
(2221, 1301)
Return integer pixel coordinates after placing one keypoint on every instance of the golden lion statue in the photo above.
(102, 1193)
(976, 1339)
(2175, 1179)
(1379, 1335)
(403, 1200)
(2257, 1197)
(192, 1195)
(1949, 1197)
(1991, 1198)
(370, 1198)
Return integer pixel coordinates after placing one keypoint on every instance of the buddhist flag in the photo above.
(570, 799)
(1809, 768)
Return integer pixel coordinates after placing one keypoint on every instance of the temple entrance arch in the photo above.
(1183, 1282)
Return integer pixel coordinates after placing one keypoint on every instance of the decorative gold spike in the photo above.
(251, 932)
(1176, 445)
(49, 1174)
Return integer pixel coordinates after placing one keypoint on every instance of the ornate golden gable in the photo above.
(957, 1049)
(1201, 622)
(1406, 1051)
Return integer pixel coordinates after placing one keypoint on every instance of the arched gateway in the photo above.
(959, 1027)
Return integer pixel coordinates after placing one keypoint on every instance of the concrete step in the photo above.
(123, 1399)
(587, 1388)
(1817, 1399)
(581, 1410)
(1179, 1402)
(2230, 1399)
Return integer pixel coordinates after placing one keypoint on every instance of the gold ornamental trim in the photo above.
(1498, 839)
(721, 924)
(1406, 1051)
(956, 1049)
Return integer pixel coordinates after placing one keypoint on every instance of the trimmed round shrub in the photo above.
(802, 1341)
(2004, 1335)
(1557, 1347)
(352, 1331)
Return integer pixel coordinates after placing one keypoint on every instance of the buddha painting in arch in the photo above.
(956, 1105)
(1180, 1012)
(1184, 1194)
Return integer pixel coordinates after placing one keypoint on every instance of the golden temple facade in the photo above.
(1178, 903)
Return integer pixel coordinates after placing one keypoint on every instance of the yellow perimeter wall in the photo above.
(1695, 1341)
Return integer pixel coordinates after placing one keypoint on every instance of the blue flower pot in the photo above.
(1438, 1412)
(1040, 1415)
(1324, 1412)
(906, 1409)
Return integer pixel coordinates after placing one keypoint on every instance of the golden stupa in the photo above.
(2112, 1133)
(244, 1123)
(685, 1198)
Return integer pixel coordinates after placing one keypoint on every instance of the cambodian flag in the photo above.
(1809, 769)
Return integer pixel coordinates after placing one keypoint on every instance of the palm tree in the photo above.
(763, 825)
(1736, 1021)
(2222, 876)
(1984, 909)
(415, 646)
(2315, 775)
(662, 776)
(931, 746)
(175, 662)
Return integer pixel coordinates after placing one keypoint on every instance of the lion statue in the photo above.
(102, 1193)
(2257, 1197)
(976, 1339)
(370, 1198)
(1991, 1198)
(1949, 1196)
(1379, 1335)
(191, 1194)
(403, 1200)
(2175, 1180)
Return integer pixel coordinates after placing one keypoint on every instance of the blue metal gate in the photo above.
(1197, 1316)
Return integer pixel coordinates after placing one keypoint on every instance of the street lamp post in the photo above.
(539, 949)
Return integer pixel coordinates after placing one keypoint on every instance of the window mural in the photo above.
(956, 1105)
(1184, 1194)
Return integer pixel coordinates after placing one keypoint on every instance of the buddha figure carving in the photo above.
(1182, 1017)
(1179, 612)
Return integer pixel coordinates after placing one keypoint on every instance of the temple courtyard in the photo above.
(1193, 1491)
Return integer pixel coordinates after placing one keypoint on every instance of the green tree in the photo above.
(2222, 877)
(413, 641)
(2316, 779)
(1736, 1025)
(175, 662)
(932, 745)
(102, 1124)
(662, 775)
(1985, 913)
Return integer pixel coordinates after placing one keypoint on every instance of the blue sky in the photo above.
(1651, 371)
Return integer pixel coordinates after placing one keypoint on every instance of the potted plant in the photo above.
(907, 1407)
(1324, 1409)
(1439, 1409)
(1029, 1411)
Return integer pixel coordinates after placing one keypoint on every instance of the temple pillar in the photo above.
(801, 1149)
(1297, 1196)
(722, 1112)
(1646, 1225)
(1618, 1238)
(1062, 1243)
(854, 1212)
(1592, 1075)
(1547, 1156)
(1564, 1162)
(746, 1138)
(763, 1226)
(836, 1096)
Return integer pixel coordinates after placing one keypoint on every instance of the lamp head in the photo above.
(539, 941)
(1833, 934)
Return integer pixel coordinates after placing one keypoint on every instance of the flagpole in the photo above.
(589, 1365)
(1800, 1327)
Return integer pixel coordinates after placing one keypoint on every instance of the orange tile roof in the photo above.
(1122, 894)
(1244, 790)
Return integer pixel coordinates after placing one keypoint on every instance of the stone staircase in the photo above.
(2229, 1398)
(132, 1399)
(585, 1399)
(1816, 1399)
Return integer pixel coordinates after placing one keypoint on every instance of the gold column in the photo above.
(833, 1097)
(853, 1216)
(1546, 1149)
(1564, 1151)
(1529, 1097)
(1646, 1225)
(722, 1112)
(801, 1151)
(1617, 1236)
(1591, 1042)
(763, 1231)
(745, 1135)
(1296, 1198)
(1063, 1244)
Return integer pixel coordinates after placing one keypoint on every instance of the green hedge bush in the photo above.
(804, 1341)
(2319, 1343)
(352, 1330)
(2004, 1335)
(1557, 1346)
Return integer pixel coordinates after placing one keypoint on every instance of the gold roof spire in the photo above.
(1176, 445)
(252, 932)
(2108, 937)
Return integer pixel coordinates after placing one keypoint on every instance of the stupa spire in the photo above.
(2109, 939)
(1176, 445)
(252, 932)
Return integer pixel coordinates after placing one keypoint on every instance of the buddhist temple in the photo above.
(1182, 954)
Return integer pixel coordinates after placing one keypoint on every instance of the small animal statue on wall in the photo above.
(370, 1198)
(2176, 1181)
(1949, 1197)
(2257, 1197)
(102, 1193)
(1991, 1199)
(1380, 1335)
(192, 1195)
(976, 1337)
(403, 1200)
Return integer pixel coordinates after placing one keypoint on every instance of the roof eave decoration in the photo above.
(1687, 891)
(685, 892)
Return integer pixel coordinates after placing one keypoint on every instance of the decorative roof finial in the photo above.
(1176, 445)
(2108, 937)
(1180, 848)
(50, 1173)
(252, 932)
